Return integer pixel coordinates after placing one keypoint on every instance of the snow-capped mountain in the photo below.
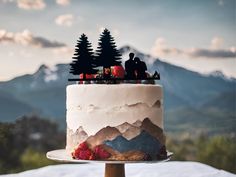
(218, 73)
(185, 92)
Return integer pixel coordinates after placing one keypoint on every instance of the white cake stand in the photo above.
(112, 168)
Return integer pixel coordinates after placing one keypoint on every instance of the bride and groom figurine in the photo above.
(135, 68)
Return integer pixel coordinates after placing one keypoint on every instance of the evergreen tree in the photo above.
(107, 54)
(83, 62)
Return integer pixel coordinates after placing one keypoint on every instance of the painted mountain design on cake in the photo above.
(144, 142)
(124, 142)
(138, 123)
(123, 127)
(141, 140)
(153, 130)
(132, 132)
(128, 131)
(107, 133)
(125, 156)
(74, 139)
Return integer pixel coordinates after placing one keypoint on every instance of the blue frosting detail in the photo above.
(143, 142)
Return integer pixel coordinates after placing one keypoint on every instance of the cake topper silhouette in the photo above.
(105, 65)
(140, 69)
(107, 54)
(84, 61)
(130, 67)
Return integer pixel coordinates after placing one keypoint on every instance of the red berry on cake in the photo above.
(82, 152)
(92, 157)
(83, 146)
(88, 76)
(104, 154)
(76, 153)
(118, 71)
(101, 153)
(85, 154)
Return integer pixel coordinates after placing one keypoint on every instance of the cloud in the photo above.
(217, 42)
(63, 2)
(209, 53)
(6, 1)
(27, 4)
(63, 50)
(26, 38)
(31, 4)
(65, 20)
(160, 49)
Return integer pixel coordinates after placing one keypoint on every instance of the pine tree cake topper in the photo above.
(107, 54)
(105, 65)
(84, 61)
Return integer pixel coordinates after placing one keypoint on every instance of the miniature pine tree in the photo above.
(83, 62)
(107, 54)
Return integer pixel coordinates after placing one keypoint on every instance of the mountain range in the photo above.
(192, 101)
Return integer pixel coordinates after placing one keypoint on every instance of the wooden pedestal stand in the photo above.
(114, 170)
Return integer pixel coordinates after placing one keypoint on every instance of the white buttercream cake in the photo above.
(115, 121)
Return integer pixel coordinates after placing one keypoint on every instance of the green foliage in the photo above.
(39, 134)
(183, 148)
(23, 145)
(217, 151)
(196, 121)
(33, 159)
(8, 154)
(220, 152)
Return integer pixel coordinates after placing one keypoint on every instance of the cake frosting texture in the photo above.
(118, 117)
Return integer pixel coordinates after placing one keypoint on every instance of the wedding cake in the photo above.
(113, 112)
(115, 122)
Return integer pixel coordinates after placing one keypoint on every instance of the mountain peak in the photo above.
(43, 67)
(217, 73)
(123, 127)
(41, 70)
(220, 74)
(107, 133)
(127, 49)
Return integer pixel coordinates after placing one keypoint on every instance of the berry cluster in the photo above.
(113, 72)
(83, 152)
(101, 153)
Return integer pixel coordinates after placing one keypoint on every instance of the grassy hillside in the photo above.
(204, 120)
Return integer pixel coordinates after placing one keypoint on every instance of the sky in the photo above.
(197, 35)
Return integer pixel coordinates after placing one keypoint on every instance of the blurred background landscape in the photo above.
(199, 82)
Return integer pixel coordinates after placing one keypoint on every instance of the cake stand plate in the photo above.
(112, 168)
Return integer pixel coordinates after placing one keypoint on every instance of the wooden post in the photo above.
(114, 170)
